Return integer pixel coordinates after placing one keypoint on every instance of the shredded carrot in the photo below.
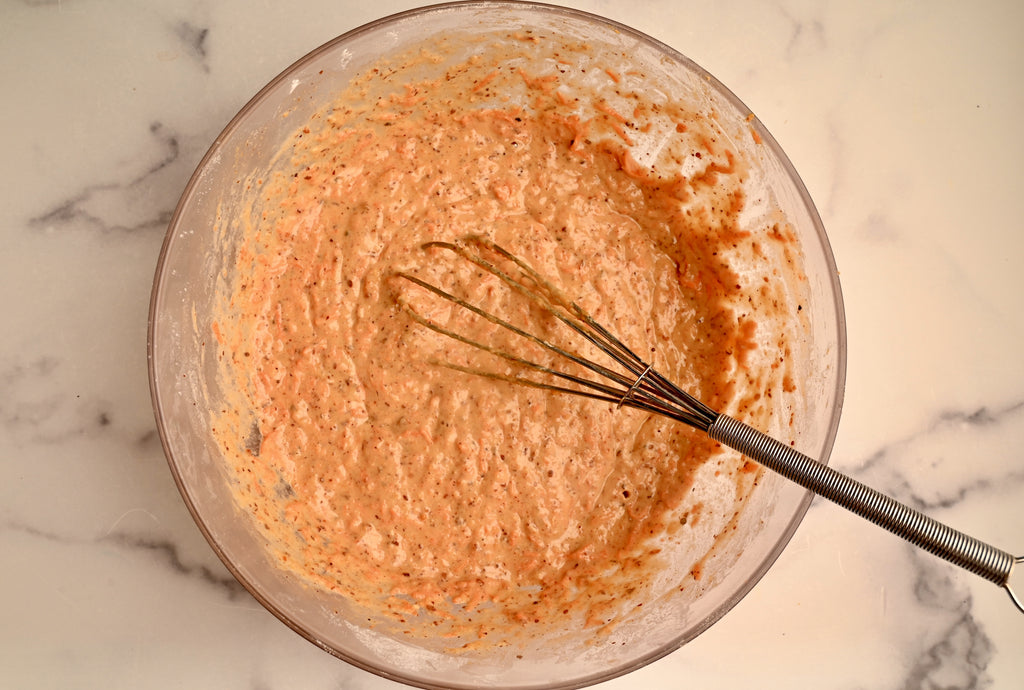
(485, 81)
(545, 84)
(608, 110)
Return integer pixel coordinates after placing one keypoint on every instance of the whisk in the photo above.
(635, 383)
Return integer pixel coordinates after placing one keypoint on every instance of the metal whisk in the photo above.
(637, 384)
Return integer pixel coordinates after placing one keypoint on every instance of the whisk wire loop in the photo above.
(650, 390)
(636, 384)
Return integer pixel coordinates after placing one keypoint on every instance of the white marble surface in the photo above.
(904, 121)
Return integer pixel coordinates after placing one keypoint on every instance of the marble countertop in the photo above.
(903, 120)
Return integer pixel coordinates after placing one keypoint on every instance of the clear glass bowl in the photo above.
(184, 383)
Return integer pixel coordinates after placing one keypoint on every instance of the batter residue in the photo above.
(438, 497)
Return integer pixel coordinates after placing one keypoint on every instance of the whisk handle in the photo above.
(902, 520)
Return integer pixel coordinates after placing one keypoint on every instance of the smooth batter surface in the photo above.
(436, 497)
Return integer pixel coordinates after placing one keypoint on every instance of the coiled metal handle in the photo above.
(956, 547)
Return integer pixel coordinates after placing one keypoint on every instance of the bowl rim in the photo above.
(465, 5)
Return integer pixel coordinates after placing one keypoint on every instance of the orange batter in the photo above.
(436, 497)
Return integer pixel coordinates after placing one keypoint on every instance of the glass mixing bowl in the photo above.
(185, 385)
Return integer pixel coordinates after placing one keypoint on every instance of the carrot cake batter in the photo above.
(437, 498)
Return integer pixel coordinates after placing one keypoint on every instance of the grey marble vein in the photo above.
(168, 552)
(907, 488)
(806, 36)
(958, 660)
(33, 411)
(163, 549)
(194, 38)
(124, 206)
